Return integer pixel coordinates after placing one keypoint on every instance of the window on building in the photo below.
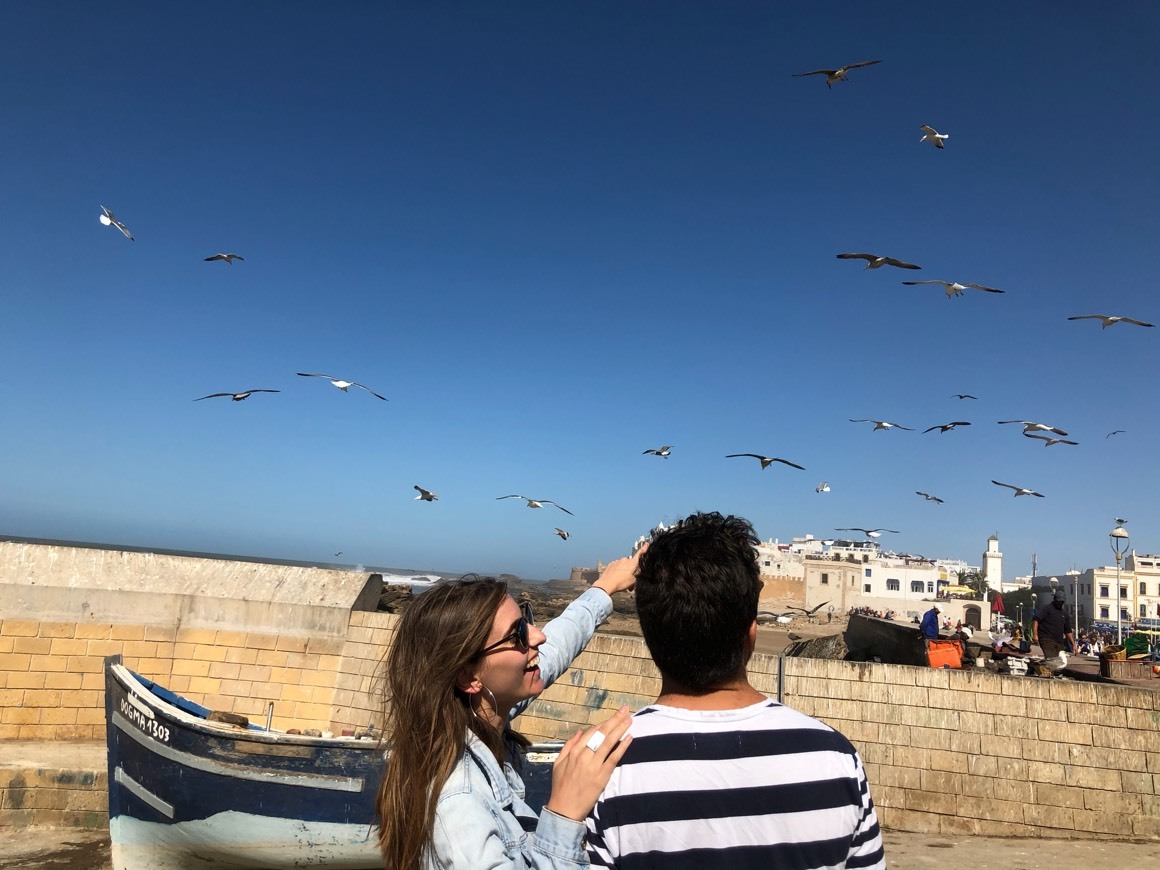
(893, 584)
(766, 563)
(1143, 611)
(1103, 592)
(916, 586)
(930, 588)
(868, 570)
(1123, 591)
(1124, 615)
(1103, 613)
(866, 588)
(1143, 591)
(825, 579)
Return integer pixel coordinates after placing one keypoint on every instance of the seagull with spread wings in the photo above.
(1116, 432)
(870, 533)
(1029, 426)
(537, 502)
(964, 396)
(812, 610)
(881, 424)
(1048, 440)
(766, 461)
(822, 487)
(341, 384)
(563, 534)
(929, 497)
(765, 616)
(933, 136)
(947, 427)
(1019, 490)
(662, 452)
(237, 397)
(954, 288)
(836, 75)
(110, 220)
(425, 495)
(873, 261)
(1107, 320)
(228, 258)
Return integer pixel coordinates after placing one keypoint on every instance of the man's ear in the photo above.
(751, 640)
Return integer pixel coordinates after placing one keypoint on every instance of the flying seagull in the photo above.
(110, 220)
(1019, 490)
(882, 424)
(662, 452)
(812, 610)
(822, 487)
(766, 461)
(339, 553)
(947, 427)
(1108, 319)
(229, 258)
(954, 288)
(963, 396)
(1116, 432)
(764, 616)
(836, 75)
(563, 534)
(1048, 440)
(1028, 426)
(425, 494)
(870, 533)
(341, 384)
(933, 136)
(536, 502)
(873, 261)
(237, 397)
(929, 497)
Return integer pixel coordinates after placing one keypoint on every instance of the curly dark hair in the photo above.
(696, 596)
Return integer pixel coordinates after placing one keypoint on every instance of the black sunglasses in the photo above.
(518, 635)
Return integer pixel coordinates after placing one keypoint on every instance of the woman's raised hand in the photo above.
(585, 763)
(621, 574)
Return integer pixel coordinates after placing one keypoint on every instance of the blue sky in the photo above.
(555, 235)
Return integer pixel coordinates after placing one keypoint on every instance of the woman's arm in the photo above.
(467, 837)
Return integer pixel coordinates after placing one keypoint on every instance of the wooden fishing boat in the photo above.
(189, 793)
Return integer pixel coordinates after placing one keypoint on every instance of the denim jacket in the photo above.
(481, 820)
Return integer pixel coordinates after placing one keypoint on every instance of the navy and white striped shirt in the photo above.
(760, 787)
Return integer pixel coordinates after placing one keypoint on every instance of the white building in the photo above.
(1094, 591)
(993, 564)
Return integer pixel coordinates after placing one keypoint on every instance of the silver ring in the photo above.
(595, 741)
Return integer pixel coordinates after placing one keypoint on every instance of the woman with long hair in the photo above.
(466, 659)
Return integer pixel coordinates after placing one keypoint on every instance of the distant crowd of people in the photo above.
(870, 611)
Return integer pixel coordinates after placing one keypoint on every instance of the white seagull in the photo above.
(425, 495)
(110, 220)
(229, 258)
(1029, 426)
(870, 533)
(341, 384)
(662, 452)
(836, 75)
(954, 288)
(929, 497)
(563, 534)
(822, 487)
(237, 397)
(1108, 319)
(764, 616)
(1019, 490)
(881, 424)
(766, 461)
(1048, 440)
(946, 427)
(873, 261)
(536, 502)
(933, 136)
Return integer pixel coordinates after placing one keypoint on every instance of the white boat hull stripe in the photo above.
(163, 807)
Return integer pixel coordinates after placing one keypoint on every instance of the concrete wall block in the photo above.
(257, 640)
(1038, 750)
(204, 686)
(127, 632)
(1102, 823)
(58, 629)
(929, 801)
(1072, 691)
(909, 820)
(1126, 738)
(1111, 802)
(1013, 726)
(204, 636)
(20, 627)
(1093, 779)
(1146, 827)
(955, 762)
(1138, 783)
(272, 658)
(1059, 795)
(1048, 816)
(224, 671)
(252, 673)
(161, 633)
(93, 630)
(103, 648)
(320, 646)
(1000, 704)
(1097, 714)
(33, 645)
(241, 655)
(990, 810)
(190, 668)
(934, 678)
(977, 723)
(941, 781)
(209, 653)
(1146, 720)
(47, 664)
(226, 638)
(87, 664)
(25, 680)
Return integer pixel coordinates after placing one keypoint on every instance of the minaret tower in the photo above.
(993, 564)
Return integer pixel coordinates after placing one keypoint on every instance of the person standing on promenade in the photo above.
(1049, 628)
(929, 627)
(465, 660)
(718, 775)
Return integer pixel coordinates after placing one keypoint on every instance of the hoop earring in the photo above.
(471, 706)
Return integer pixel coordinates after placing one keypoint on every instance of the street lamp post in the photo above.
(1075, 586)
(1120, 541)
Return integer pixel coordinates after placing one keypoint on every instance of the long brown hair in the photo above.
(426, 718)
